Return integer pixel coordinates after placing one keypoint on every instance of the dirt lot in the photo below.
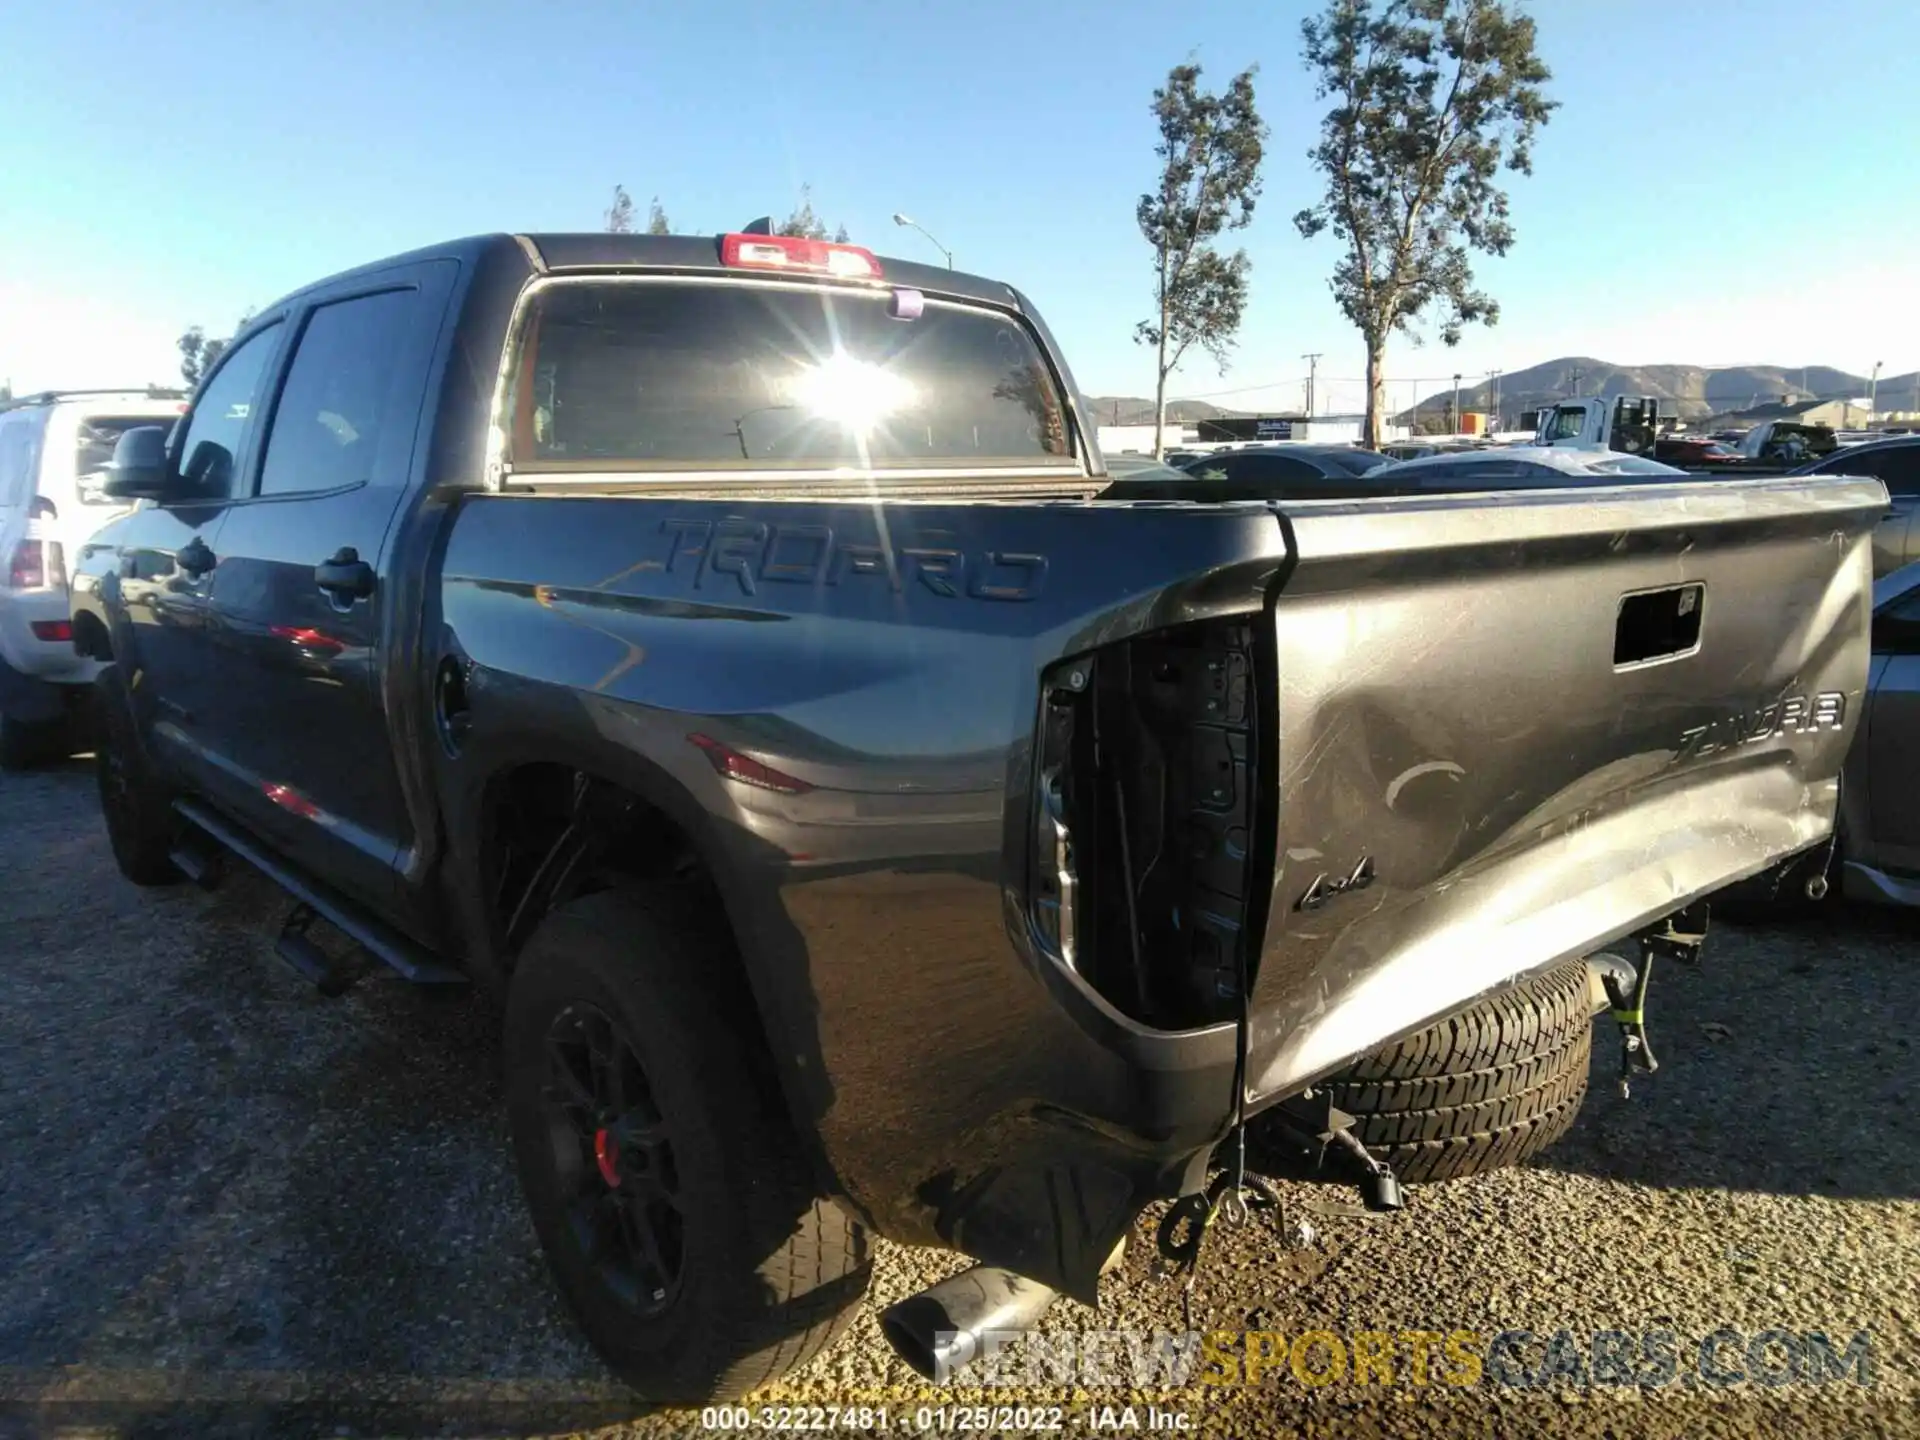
(230, 1206)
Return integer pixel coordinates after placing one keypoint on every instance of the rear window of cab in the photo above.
(742, 376)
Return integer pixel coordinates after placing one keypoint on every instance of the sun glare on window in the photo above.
(851, 393)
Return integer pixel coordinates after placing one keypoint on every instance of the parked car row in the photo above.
(54, 451)
(1299, 471)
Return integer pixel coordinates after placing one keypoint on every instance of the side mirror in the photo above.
(139, 469)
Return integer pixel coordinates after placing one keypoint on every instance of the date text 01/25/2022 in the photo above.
(950, 1419)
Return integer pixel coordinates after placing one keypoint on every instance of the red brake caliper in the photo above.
(606, 1155)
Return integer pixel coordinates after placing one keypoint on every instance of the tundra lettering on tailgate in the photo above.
(1795, 715)
(751, 551)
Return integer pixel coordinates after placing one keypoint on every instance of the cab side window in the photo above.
(1567, 425)
(225, 414)
(338, 393)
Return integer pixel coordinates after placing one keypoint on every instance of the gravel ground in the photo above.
(230, 1206)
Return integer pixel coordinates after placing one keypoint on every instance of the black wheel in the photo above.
(141, 824)
(674, 1203)
(1490, 1087)
(27, 743)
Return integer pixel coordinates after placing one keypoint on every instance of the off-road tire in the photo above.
(1490, 1087)
(771, 1270)
(141, 824)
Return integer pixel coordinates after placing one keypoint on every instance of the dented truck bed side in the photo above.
(1043, 729)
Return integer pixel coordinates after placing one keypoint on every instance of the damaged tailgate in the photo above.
(1513, 728)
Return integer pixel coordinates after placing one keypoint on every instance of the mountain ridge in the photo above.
(1692, 392)
(1138, 410)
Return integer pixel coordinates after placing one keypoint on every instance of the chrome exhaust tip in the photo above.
(938, 1331)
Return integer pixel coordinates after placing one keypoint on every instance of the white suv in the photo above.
(54, 449)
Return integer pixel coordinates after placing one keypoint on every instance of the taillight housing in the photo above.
(37, 565)
(1149, 832)
(794, 255)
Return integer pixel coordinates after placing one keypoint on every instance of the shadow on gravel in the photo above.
(1788, 1064)
(230, 1206)
(331, 1407)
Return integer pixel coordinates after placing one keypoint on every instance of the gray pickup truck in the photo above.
(709, 650)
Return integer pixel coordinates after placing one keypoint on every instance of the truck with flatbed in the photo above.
(1628, 424)
(709, 651)
(1633, 425)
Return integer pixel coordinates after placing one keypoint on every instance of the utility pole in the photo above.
(1313, 370)
(1873, 391)
(1493, 379)
(1576, 383)
(1456, 402)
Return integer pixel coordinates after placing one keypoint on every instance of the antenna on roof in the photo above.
(762, 226)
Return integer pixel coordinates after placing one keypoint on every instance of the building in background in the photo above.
(1250, 429)
(1138, 439)
(1271, 429)
(1835, 414)
(1225, 430)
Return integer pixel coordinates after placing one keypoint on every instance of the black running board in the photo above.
(330, 977)
(200, 863)
(375, 936)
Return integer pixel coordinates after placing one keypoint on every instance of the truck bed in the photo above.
(1013, 801)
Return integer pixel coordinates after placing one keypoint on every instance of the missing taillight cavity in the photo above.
(1658, 624)
(1146, 815)
(1058, 801)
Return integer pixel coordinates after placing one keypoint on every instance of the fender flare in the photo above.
(776, 976)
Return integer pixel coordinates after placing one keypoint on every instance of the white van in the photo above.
(54, 450)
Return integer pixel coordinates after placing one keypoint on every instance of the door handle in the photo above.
(346, 576)
(195, 558)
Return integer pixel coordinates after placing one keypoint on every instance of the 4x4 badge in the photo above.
(1324, 889)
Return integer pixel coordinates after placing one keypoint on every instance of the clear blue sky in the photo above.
(1728, 181)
